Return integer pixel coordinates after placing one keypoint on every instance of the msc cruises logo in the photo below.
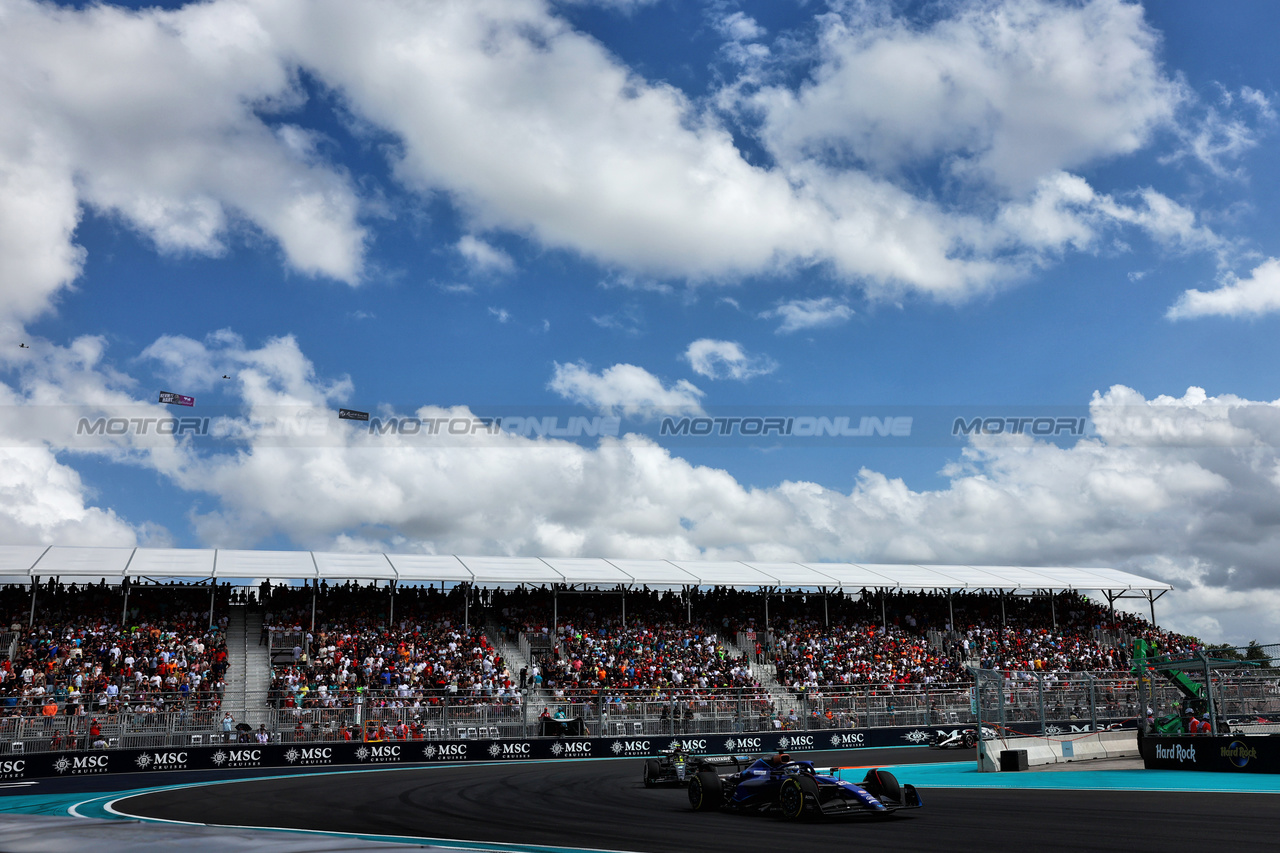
(162, 761)
(850, 740)
(630, 747)
(310, 755)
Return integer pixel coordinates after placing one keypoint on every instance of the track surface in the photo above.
(602, 805)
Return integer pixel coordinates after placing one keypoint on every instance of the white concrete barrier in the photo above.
(1061, 749)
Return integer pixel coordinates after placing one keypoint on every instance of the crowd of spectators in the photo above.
(86, 653)
(909, 638)
(425, 646)
(421, 655)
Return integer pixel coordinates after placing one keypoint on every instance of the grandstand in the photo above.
(159, 645)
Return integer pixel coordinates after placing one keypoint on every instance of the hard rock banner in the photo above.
(1231, 753)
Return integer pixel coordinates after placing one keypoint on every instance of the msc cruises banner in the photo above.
(18, 766)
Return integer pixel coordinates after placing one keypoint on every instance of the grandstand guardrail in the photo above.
(1031, 705)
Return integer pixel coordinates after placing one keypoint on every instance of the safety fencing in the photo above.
(1029, 704)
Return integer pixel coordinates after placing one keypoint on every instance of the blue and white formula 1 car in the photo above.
(796, 789)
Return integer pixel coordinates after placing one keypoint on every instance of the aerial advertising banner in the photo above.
(176, 399)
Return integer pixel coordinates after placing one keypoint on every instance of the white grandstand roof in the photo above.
(114, 564)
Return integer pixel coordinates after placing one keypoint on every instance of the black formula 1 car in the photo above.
(796, 789)
(959, 738)
(677, 766)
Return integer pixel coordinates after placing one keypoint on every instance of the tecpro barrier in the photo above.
(417, 752)
(1234, 753)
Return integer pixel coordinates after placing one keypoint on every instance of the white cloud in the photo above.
(726, 360)
(625, 389)
(483, 257)
(1185, 489)
(809, 314)
(1257, 294)
(1194, 504)
(502, 315)
(1218, 138)
(533, 128)
(739, 26)
(1007, 91)
(44, 502)
(150, 116)
(1064, 211)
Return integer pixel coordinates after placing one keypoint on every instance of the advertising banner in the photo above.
(1232, 753)
(410, 752)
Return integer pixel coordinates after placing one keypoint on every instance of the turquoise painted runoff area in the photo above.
(964, 774)
(958, 774)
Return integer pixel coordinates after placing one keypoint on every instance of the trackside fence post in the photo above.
(1093, 701)
(1040, 699)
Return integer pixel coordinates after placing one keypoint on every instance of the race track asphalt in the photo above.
(601, 805)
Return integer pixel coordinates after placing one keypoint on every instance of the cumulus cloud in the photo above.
(533, 128)
(625, 389)
(158, 118)
(726, 360)
(1008, 91)
(1256, 294)
(1191, 498)
(1185, 489)
(809, 314)
(43, 499)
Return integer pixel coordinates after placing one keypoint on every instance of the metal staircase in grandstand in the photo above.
(248, 678)
(781, 698)
(515, 660)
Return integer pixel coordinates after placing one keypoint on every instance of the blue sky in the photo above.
(652, 210)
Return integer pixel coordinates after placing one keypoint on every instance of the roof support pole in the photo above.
(1004, 620)
(624, 607)
(951, 609)
(124, 608)
(391, 618)
(826, 618)
(555, 613)
(688, 604)
(315, 590)
(466, 607)
(765, 590)
(213, 585)
(31, 620)
(1111, 601)
(884, 618)
(1053, 609)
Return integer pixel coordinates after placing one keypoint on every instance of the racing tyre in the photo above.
(882, 783)
(706, 793)
(651, 773)
(793, 793)
(970, 740)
